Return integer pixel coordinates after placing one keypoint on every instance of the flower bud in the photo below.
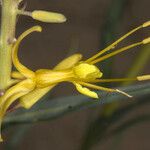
(49, 17)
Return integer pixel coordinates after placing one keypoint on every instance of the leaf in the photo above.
(48, 110)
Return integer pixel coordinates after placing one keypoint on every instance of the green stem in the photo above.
(7, 37)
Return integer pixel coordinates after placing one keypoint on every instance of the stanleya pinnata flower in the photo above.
(30, 86)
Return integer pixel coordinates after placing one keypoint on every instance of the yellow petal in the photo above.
(21, 68)
(12, 94)
(6, 105)
(17, 75)
(31, 98)
(87, 71)
(45, 78)
(28, 100)
(68, 62)
(24, 86)
(86, 91)
(49, 17)
(9, 101)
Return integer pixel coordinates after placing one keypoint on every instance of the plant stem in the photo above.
(7, 37)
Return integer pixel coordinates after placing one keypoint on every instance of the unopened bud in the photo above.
(49, 17)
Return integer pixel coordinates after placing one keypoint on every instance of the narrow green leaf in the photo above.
(48, 110)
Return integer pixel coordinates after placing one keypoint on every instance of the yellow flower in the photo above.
(30, 86)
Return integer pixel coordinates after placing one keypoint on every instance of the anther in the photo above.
(146, 41)
(146, 24)
(124, 93)
(144, 77)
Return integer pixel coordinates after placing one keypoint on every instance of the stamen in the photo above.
(96, 87)
(144, 77)
(146, 24)
(116, 52)
(124, 93)
(113, 80)
(103, 88)
(146, 41)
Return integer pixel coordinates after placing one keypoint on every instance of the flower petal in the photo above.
(24, 86)
(31, 98)
(6, 105)
(17, 75)
(68, 62)
(85, 91)
(87, 71)
(21, 68)
(28, 100)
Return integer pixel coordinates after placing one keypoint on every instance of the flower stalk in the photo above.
(7, 38)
